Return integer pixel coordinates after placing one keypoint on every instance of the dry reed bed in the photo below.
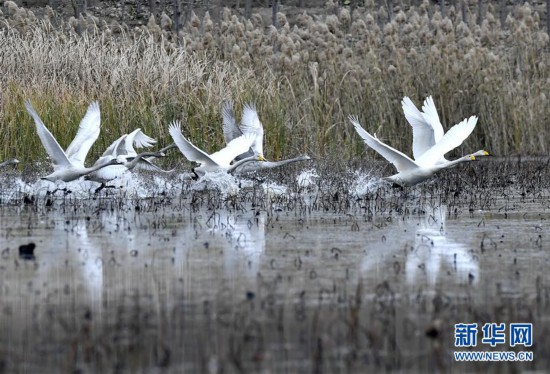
(306, 78)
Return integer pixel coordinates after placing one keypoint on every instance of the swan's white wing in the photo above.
(123, 145)
(250, 123)
(87, 134)
(234, 148)
(146, 164)
(230, 128)
(103, 160)
(126, 147)
(111, 150)
(452, 139)
(253, 166)
(430, 116)
(398, 159)
(54, 150)
(109, 172)
(423, 132)
(189, 150)
(138, 139)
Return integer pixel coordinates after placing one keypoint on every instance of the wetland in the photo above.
(290, 272)
(319, 267)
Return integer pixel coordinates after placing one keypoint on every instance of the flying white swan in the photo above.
(218, 161)
(11, 161)
(411, 172)
(69, 165)
(427, 128)
(250, 123)
(123, 149)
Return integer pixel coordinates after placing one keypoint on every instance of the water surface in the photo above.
(298, 277)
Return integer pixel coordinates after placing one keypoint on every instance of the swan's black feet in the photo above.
(28, 200)
(398, 186)
(196, 176)
(66, 191)
(258, 179)
(103, 185)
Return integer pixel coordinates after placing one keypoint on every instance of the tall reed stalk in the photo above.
(305, 78)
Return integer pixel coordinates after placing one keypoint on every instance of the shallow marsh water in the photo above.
(290, 277)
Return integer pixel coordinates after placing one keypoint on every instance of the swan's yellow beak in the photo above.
(261, 158)
(473, 158)
(485, 153)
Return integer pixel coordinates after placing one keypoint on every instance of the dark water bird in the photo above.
(69, 165)
(250, 123)
(26, 251)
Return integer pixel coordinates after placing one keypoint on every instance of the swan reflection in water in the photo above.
(439, 253)
(109, 252)
(244, 240)
(433, 256)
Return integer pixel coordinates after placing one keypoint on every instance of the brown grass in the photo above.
(305, 78)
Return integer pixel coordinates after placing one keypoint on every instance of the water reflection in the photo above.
(130, 284)
(237, 237)
(430, 256)
(87, 259)
(436, 254)
(245, 236)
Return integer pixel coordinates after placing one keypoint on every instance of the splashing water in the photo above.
(128, 184)
(42, 188)
(272, 189)
(364, 183)
(307, 178)
(226, 183)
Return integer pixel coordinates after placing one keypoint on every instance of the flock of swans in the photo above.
(244, 147)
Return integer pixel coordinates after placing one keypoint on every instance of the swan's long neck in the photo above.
(167, 148)
(13, 161)
(137, 159)
(275, 164)
(100, 166)
(450, 164)
(241, 162)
